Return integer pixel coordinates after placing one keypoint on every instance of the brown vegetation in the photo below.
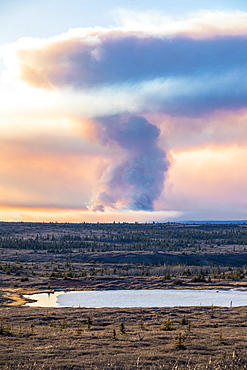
(63, 339)
(37, 257)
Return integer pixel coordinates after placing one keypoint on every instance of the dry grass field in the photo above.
(77, 338)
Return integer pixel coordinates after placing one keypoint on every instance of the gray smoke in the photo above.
(134, 179)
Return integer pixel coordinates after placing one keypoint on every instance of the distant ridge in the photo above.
(213, 222)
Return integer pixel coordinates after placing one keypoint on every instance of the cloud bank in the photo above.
(176, 73)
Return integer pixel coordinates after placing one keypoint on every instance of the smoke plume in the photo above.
(135, 179)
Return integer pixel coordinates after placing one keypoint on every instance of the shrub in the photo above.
(184, 321)
(180, 342)
(89, 322)
(167, 325)
(122, 328)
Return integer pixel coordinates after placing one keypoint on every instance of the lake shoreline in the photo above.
(15, 296)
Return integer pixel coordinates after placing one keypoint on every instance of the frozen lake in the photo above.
(141, 298)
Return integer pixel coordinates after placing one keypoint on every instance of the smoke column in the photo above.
(135, 179)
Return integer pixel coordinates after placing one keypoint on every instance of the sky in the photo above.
(123, 111)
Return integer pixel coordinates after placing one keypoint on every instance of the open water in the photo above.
(141, 298)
